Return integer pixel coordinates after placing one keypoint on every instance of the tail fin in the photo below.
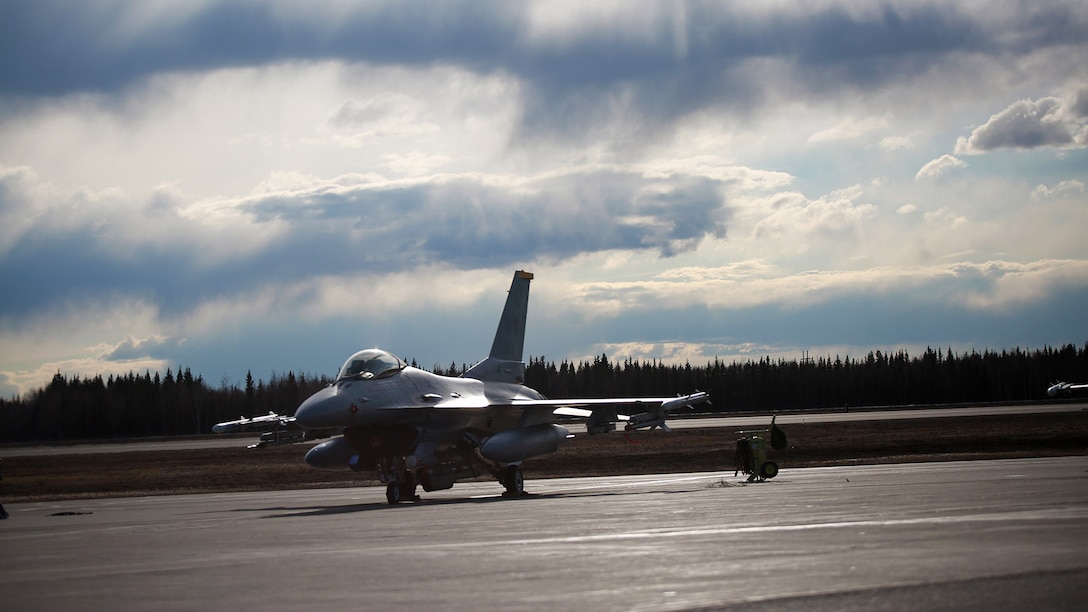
(505, 363)
(509, 341)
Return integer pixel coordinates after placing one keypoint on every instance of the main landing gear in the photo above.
(514, 481)
(401, 483)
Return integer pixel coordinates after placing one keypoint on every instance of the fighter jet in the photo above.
(416, 428)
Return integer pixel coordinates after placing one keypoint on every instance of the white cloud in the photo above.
(945, 217)
(86, 338)
(896, 143)
(1011, 284)
(1070, 188)
(722, 170)
(565, 21)
(414, 163)
(939, 166)
(23, 382)
(229, 129)
(851, 128)
(678, 353)
(833, 214)
(992, 285)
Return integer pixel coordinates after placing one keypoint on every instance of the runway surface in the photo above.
(986, 535)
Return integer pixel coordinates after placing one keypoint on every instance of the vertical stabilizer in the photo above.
(509, 341)
(505, 364)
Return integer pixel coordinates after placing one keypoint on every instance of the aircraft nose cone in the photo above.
(323, 409)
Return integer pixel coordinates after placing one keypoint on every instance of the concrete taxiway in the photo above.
(965, 535)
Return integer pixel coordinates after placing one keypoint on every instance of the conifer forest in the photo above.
(179, 402)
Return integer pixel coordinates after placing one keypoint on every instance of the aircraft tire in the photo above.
(393, 493)
(769, 469)
(514, 481)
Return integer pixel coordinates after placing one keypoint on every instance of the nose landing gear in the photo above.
(400, 482)
(396, 492)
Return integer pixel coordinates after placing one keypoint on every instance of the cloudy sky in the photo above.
(270, 186)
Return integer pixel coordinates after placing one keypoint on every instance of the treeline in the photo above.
(878, 379)
(138, 405)
(179, 403)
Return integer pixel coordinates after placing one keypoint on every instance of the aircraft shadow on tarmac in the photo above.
(303, 511)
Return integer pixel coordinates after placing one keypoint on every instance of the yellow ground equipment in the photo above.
(751, 455)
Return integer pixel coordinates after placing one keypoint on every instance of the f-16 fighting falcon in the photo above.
(416, 428)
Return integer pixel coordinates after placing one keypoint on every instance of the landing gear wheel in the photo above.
(514, 481)
(768, 470)
(393, 493)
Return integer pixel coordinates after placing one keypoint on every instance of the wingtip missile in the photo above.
(1062, 388)
(252, 423)
(685, 400)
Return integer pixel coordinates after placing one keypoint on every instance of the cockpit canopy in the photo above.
(371, 363)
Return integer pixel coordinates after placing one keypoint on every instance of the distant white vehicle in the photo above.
(416, 428)
(1063, 388)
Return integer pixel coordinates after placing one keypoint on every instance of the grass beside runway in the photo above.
(169, 472)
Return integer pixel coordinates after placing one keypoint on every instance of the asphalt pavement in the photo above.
(984, 535)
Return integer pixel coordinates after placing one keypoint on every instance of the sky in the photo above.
(271, 186)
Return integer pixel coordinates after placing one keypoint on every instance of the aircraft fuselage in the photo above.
(414, 396)
(401, 420)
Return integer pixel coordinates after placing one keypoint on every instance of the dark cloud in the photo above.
(47, 269)
(334, 229)
(701, 55)
(1028, 124)
(1079, 107)
(55, 47)
(733, 60)
(470, 223)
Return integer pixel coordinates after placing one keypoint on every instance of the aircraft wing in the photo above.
(602, 413)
